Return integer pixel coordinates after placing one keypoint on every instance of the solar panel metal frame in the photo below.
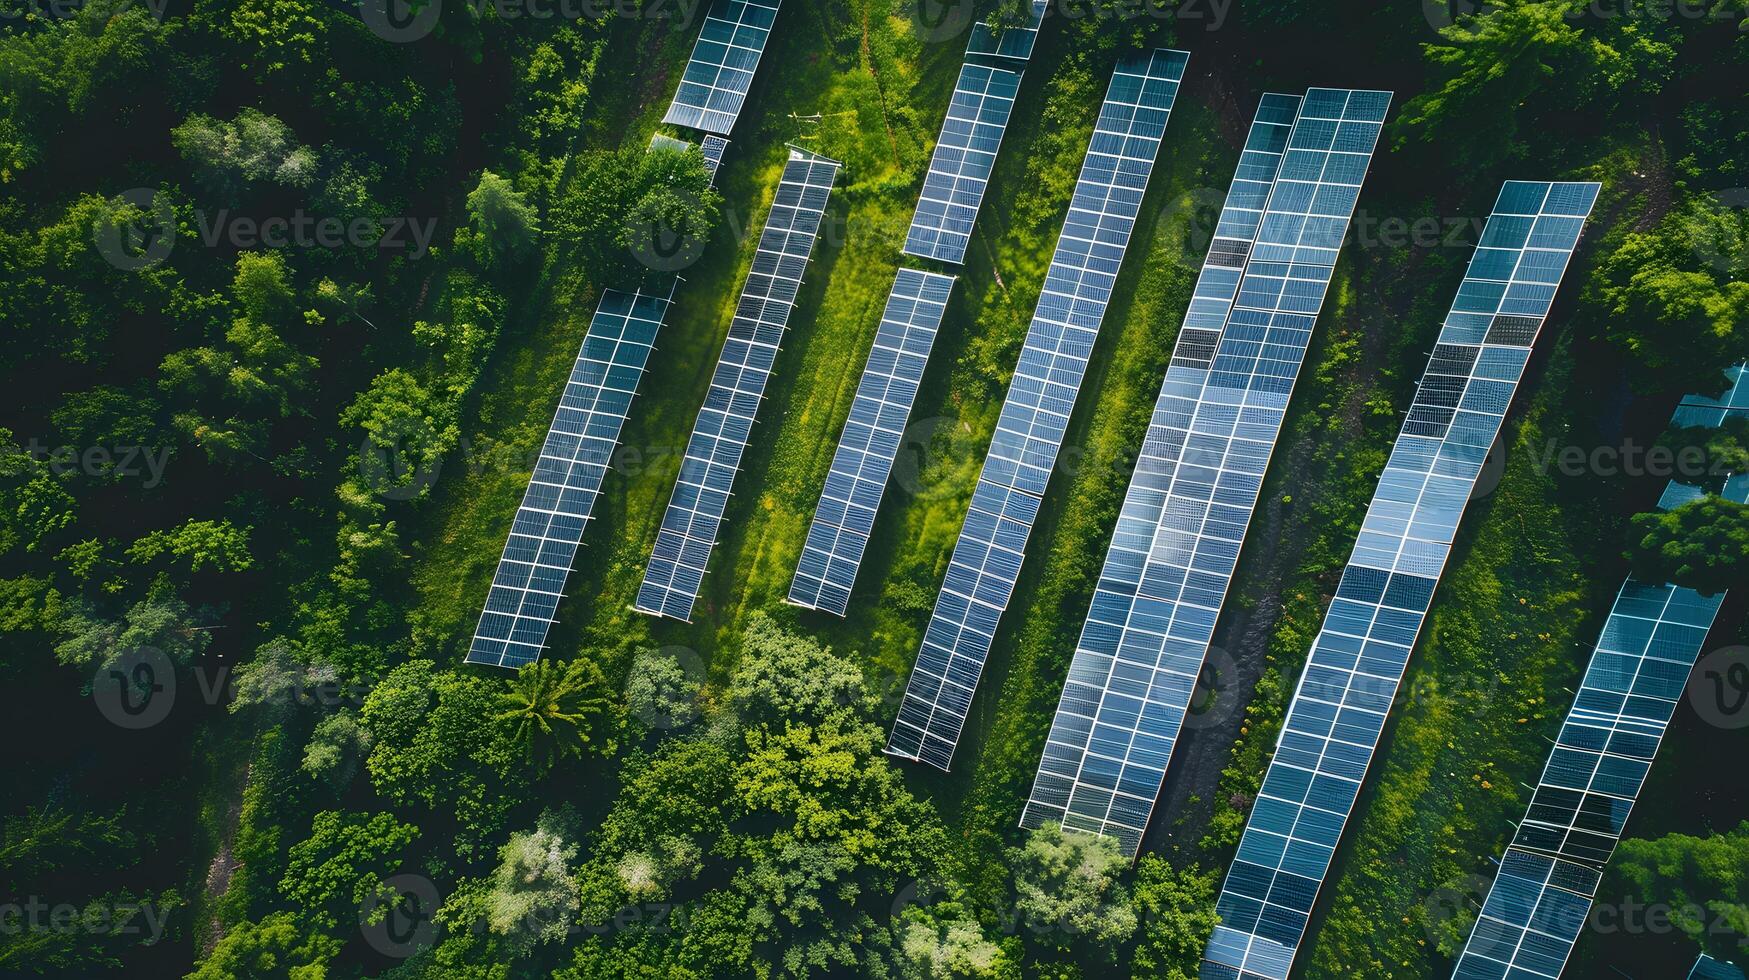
(561, 493)
(838, 534)
(725, 422)
(1598, 766)
(1356, 664)
(714, 85)
(1015, 43)
(1195, 487)
(959, 169)
(1071, 307)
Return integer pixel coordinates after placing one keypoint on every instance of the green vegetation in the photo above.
(287, 308)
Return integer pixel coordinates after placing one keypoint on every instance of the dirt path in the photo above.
(223, 867)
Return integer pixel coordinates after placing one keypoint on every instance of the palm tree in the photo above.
(555, 711)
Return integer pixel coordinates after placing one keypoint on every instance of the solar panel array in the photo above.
(726, 55)
(1201, 467)
(1015, 42)
(567, 478)
(1637, 674)
(1084, 267)
(719, 435)
(941, 227)
(839, 533)
(1707, 968)
(1356, 663)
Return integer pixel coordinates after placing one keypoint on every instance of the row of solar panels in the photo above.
(1538, 903)
(522, 602)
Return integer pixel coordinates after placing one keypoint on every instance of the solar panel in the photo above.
(1356, 663)
(987, 557)
(941, 227)
(567, 478)
(838, 535)
(713, 147)
(1707, 968)
(1530, 919)
(1015, 42)
(719, 436)
(1201, 468)
(724, 59)
(1595, 771)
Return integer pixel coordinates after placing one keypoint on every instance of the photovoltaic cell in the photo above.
(1015, 43)
(711, 146)
(719, 436)
(1357, 660)
(1595, 771)
(724, 59)
(987, 557)
(1201, 468)
(567, 478)
(839, 533)
(941, 227)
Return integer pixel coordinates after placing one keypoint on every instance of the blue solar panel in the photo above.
(941, 227)
(719, 436)
(1707, 968)
(713, 147)
(838, 535)
(987, 557)
(1357, 660)
(1530, 920)
(1598, 766)
(548, 526)
(1198, 477)
(1016, 42)
(724, 59)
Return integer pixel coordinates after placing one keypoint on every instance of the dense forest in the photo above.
(289, 290)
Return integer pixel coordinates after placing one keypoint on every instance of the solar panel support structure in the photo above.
(1035, 413)
(1357, 661)
(694, 515)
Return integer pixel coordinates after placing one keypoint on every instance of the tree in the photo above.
(219, 544)
(273, 949)
(782, 676)
(560, 711)
(1705, 455)
(658, 692)
(632, 211)
(1177, 912)
(34, 503)
(939, 943)
(534, 897)
(253, 148)
(504, 220)
(1703, 880)
(1701, 545)
(1674, 295)
(161, 621)
(1067, 887)
(336, 747)
(435, 745)
(340, 868)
